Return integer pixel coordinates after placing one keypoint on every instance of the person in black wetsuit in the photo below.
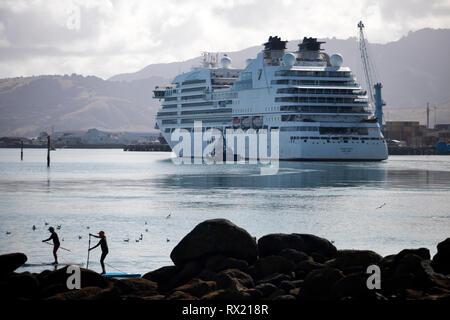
(103, 245)
(55, 239)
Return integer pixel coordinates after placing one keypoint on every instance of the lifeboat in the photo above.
(236, 122)
(258, 122)
(246, 122)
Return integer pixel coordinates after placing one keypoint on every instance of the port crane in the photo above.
(374, 90)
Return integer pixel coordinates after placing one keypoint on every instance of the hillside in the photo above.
(34, 104)
(414, 70)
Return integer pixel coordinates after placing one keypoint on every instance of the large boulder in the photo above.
(348, 259)
(11, 261)
(441, 260)
(216, 236)
(318, 283)
(272, 244)
(272, 264)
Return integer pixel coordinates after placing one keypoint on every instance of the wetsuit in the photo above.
(56, 244)
(104, 246)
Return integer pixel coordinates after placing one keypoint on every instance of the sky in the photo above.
(108, 37)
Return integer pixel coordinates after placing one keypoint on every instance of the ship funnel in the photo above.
(274, 50)
(309, 49)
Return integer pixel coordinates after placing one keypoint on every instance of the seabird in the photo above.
(381, 206)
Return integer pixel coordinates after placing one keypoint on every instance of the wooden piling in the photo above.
(48, 151)
(21, 150)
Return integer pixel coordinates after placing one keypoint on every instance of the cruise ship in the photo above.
(307, 97)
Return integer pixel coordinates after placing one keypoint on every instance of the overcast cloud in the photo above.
(104, 38)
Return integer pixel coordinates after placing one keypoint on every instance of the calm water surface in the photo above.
(403, 202)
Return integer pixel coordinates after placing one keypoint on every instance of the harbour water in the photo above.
(386, 206)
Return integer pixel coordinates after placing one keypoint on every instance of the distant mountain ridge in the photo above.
(414, 70)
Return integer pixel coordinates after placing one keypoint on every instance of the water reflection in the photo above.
(303, 175)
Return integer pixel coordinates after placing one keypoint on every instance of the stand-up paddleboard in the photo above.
(122, 275)
(51, 264)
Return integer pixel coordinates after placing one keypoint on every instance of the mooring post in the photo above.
(48, 151)
(21, 150)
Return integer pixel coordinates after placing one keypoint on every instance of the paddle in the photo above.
(59, 247)
(89, 247)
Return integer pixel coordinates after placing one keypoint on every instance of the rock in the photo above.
(217, 236)
(410, 273)
(272, 264)
(441, 260)
(10, 262)
(423, 253)
(227, 295)
(87, 293)
(197, 287)
(220, 262)
(180, 295)
(353, 285)
(354, 258)
(19, 285)
(254, 294)
(318, 283)
(305, 267)
(278, 292)
(234, 278)
(137, 286)
(266, 288)
(285, 297)
(89, 278)
(162, 275)
(272, 244)
(275, 279)
(190, 270)
(294, 255)
(286, 285)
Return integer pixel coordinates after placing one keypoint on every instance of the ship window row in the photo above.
(169, 106)
(174, 121)
(198, 96)
(334, 139)
(197, 104)
(193, 89)
(159, 114)
(187, 82)
(331, 130)
(170, 99)
(224, 95)
(191, 121)
(298, 73)
(243, 110)
(319, 99)
(214, 111)
(316, 83)
(321, 109)
(319, 91)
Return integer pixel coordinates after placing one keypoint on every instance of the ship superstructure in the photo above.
(316, 105)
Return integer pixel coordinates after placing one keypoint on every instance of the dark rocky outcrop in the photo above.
(272, 244)
(10, 262)
(441, 260)
(216, 236)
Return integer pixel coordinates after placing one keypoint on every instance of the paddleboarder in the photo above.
(103, 245)
(55, 239)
